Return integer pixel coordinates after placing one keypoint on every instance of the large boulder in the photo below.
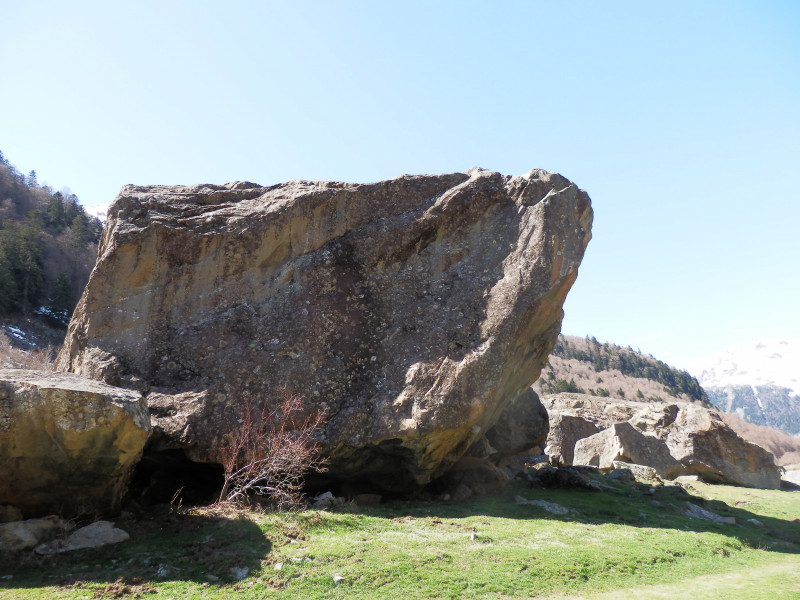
(710, 449)
(621, 442)
(696, 436)
(565, 430)
(413, 311)
(67, 443)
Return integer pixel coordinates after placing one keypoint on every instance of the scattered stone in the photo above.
(239, 573)
(278, 566)
(327, 500)
(755, 522)
(337, 578)
(99, 533)
(698, 512)
(25, 535)
(68, 444)
(413, 311)
(550, 507)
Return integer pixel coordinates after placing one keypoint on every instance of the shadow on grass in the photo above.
(200, 546)
(167, 544)
(635, 506)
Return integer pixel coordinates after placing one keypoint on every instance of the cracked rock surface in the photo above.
(413, 310)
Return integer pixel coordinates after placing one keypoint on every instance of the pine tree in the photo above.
(9, 293)
(61, 304)
(56, 215)
(80, 229)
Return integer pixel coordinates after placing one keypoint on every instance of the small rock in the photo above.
(623, 475)
(701, 513)
(162, 571)
(278, 566)
(337, 578)
(239, 573)
(24, 535)
(99, 533)
(550, 507)
(755, 522)
(473, 536)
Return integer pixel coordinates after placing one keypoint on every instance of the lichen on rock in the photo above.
(413, 311)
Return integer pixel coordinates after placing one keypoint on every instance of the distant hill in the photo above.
(48, 247)
(584, 365)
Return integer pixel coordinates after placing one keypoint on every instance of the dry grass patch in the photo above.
(15, 358)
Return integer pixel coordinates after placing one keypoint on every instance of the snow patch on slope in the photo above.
(765, 362)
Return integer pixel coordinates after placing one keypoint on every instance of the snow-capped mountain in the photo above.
(758, 381)
(768, 362)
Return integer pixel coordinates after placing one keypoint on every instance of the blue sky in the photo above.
(681, 120)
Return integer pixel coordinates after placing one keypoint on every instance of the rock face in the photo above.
(412, 310)
(565, 431)
(696, 436)
(521, 426)
(67, 443)
(621, 442)
(708, 448)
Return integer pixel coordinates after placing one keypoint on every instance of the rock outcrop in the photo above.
(413, 311)
(696, 436)
(67, 443)
(621, 442)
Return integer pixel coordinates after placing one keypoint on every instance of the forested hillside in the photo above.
(48, 246)
(585, 365)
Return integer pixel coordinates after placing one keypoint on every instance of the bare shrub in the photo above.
(271, 448)
(14, 358)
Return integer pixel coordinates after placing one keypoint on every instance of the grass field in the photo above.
(626, 542)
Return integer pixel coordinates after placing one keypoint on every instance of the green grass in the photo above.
(613, 541)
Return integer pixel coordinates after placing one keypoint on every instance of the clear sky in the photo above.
(681, 120)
